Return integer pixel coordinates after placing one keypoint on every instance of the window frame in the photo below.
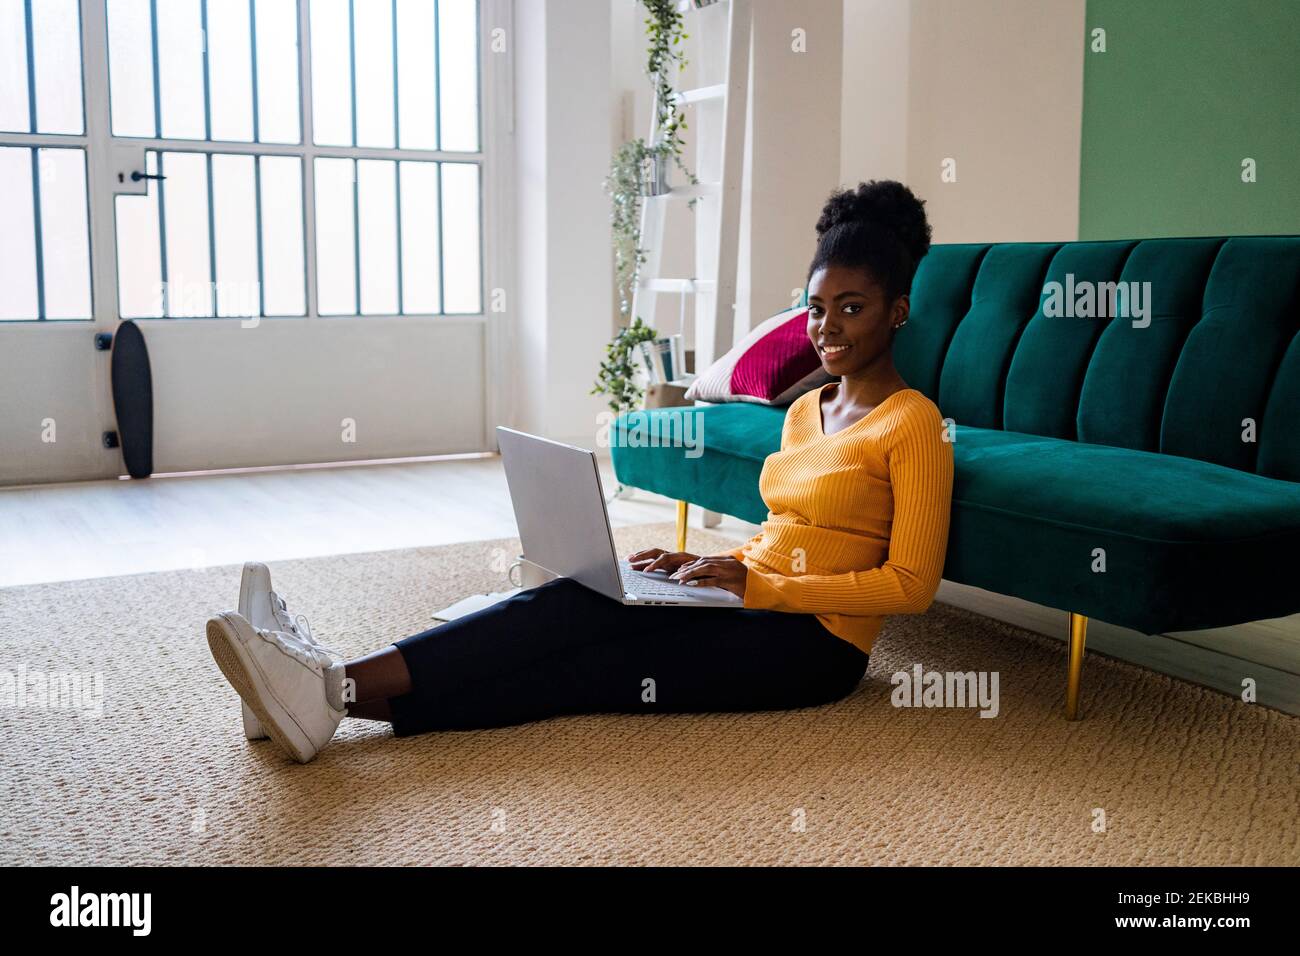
(34, 142)
(495, 128)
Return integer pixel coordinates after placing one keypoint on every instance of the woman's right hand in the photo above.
(657, 559)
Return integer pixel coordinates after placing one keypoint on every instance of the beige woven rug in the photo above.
(1183, 775)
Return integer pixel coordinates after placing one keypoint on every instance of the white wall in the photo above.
(997, 85)
(564, 107)
(793, 152)
(50, 372)
(873, 139)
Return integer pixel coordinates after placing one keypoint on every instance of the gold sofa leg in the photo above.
(1078, 634)
(682, 507)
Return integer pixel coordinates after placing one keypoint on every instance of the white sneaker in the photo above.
(281, 678)
(266, 610)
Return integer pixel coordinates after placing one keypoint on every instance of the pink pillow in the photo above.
(773, 365)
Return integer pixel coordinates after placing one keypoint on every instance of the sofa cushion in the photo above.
(940, 300)
(1226, 367)
(1187, 544)
(1046, 373)
(734, 441)
(1163, 498)
(1123, 395)
(773, 365)
(741, 430)
(1007, 290)
(1279, 451)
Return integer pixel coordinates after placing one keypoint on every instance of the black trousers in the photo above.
(563, 649)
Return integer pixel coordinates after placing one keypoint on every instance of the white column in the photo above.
(793, 158)
(563, 112)
(873, 144)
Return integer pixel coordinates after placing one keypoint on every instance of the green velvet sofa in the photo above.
(1166, 436)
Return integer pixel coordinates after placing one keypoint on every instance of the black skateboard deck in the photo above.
(133, 399)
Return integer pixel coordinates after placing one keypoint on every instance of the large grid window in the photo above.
(222, 235)
(405, 74)
(205, 69)
(380, 226)
(44, 217)
(368, 179)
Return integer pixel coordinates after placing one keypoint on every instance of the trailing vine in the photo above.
(617, 376)
(666, 30)
(626, 186)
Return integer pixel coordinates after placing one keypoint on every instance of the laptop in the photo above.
(564, 526)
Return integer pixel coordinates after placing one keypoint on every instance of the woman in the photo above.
(859, 499)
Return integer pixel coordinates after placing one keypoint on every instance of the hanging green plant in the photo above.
(666, 31)
(634, 172)
(624, 186)
(617, 377)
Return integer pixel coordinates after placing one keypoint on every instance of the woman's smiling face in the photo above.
(850, 318)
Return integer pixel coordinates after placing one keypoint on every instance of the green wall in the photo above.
(1185, 90)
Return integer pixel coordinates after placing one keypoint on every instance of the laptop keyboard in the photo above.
(651, 585)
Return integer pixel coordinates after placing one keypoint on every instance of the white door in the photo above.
(309, 267)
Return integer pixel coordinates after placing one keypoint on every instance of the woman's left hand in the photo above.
(714, 570)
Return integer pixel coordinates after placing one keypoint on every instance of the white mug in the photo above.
(524, 574)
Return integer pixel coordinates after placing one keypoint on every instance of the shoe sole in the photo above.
(229, 653)
(246, 714)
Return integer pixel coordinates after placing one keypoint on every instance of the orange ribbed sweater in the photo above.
(857, 525)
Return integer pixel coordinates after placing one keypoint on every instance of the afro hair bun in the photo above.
(882, 203)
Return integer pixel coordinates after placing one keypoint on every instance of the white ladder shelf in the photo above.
(717, 229)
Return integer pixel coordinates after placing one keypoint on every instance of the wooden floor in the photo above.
(104, 528)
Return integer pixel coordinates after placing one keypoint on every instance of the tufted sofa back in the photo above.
(1009, 336)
